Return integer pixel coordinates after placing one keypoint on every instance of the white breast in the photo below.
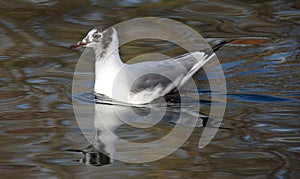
(106, 73)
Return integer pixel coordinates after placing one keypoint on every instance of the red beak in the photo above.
(78, 44)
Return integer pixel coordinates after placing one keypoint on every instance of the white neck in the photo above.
(106, 69)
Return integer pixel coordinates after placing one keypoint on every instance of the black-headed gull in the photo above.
(138, 83)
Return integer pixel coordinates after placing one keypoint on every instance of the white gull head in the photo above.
(103, 41)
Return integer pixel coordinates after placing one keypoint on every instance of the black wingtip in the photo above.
(221, 44)
(211, 51)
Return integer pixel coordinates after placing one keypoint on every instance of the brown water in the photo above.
(37, 122)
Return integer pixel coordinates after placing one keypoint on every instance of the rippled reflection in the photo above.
(149, 123)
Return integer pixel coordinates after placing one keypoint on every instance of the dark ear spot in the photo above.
(107, 37)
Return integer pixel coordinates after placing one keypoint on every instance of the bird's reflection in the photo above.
(108, 117)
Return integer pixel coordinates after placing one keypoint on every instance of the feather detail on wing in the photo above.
(161, 77)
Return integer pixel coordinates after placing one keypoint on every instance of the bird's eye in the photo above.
(97, 36)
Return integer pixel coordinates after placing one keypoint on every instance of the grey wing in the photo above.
(150, 81)
(164, 76)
